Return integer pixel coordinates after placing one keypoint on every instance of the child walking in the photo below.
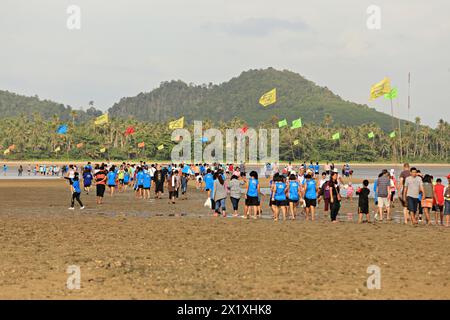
(363, 202)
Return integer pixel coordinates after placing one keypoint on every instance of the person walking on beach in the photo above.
(335, 197)
(279, 197)
(5, 169)
(235, 186)
(447, 203)
(413, 187)
(251, 196)
(310, 196)
(439, 202)
(100, 184)
(363, 202)
(383, 190)
(427, 197)
(294, 192)
(401, 185)
(87, 180)
(76, 191)
(220, 195)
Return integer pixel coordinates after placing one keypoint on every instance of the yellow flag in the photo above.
(269, 98)
(103, 150)
(58, 149)
(296, 142)
(177, 124)
(104, 118)
(161, 147)
(380, 89)
(6, 151)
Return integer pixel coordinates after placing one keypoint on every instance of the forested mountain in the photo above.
(13, 105)
(239, 97)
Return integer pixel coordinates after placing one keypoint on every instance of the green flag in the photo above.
(392, 134)
(371, 135)
(392, 94)
(336, 136)
(297, 123)
(282, 123)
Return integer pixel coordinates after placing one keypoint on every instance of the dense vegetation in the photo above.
(297, 97)
(13, 105)
(37, 139)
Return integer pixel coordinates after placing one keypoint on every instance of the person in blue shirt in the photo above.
(87, 180)
(76, 191)
(279, 197)
(111, 180)
(310, 197)
(126, 179)
(5, 169)
(147, 183)
(209, 182)
(139, 183)
(316, 168)
(294, 195)
(252, 196)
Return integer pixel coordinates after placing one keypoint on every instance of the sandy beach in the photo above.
(152, 250)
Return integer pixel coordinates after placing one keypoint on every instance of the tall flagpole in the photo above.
(409, 94)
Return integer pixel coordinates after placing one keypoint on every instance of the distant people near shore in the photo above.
(5, 169)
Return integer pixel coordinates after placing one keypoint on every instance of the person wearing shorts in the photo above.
(294, 195)
(251, 196)
(411, 191)
(438, 205)
(279, 197)
(310, 197)
(383, 192)
(100, 182)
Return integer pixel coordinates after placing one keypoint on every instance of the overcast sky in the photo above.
(129, 46)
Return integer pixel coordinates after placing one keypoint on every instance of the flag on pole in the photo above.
(177, 124)
(58, 149)
(7, 151)
(204, 140)
(161, 147)
(104, 118)
(371, 135)
(282, 123)
(296, 142)
(244, 130)
(80, 145)
(141, 145)
(62, 129)
(392, 134)
(336, 136)
(268, 98)
(392, 94)
(380, 89)
(103, 150)
(297, 123)
(129, 131)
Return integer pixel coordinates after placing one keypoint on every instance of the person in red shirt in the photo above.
(438, 204)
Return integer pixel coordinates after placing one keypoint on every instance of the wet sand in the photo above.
(126, 250)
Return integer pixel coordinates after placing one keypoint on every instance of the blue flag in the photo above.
(62, 129)
(204, 139)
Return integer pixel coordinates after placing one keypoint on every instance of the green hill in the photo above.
(297, 97)
(13, 105)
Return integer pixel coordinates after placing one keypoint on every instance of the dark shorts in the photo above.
(311, 202)
(271, 203)
(252, 201)
(172, 194)
(293, 201)
(438, 208)
(281, 203)
(447, 208)
(100, 190)
(146, 188)
(87, 185)
(159, 187)
(140, 186)
(364, 209)
(413, 204)
(111, 185)
(120, 181)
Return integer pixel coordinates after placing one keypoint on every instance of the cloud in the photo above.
(259, 27)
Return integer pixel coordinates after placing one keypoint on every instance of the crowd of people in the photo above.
(292, 189)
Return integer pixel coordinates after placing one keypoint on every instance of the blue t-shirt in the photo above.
(310, 189)
(147, 180)
(280, 194)
(316, 168)
(126, 177)
(76, 185)
(87, 178)
(202, 169)
(185, 170)
(293, 190)
(252, 187)
(140, 178)
(209, 181)
(111, 178)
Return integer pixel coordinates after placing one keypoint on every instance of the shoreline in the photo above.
(295, 163)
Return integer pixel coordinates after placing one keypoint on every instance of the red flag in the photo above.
(130, 130)
(244, 129)
(141, 145)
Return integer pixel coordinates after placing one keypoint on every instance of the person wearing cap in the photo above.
(447, 203)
